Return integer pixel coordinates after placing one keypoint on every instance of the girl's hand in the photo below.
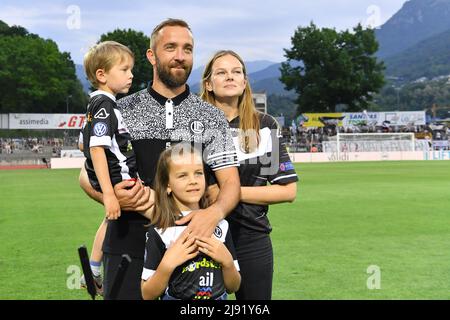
(180, 251)
(215, 249)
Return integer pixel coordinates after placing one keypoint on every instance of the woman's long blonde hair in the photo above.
(249, 116)
(166, 211)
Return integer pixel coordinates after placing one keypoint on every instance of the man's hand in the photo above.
(133, 196)
(201, 222)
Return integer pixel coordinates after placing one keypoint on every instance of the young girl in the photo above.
(177, 266)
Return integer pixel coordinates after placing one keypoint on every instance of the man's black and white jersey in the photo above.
(269, 163)
(104, 127)
(154, 123)
(198, 279)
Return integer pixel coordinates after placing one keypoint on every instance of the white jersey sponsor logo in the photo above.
(101, 114)
(100, 129)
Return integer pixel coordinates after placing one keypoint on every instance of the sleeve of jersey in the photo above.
(104, 124)
(220, 150)
(154, 252)
(282, 169)
(230, 246)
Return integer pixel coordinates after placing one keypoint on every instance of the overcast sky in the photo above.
(256, 29)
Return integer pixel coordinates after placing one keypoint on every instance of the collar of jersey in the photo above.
(234, 120)
(98, 92)
(162, 100)
(185, 213)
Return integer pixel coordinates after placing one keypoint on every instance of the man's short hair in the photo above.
(104, 55)
(166, 23)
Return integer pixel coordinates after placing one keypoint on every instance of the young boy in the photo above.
(105, 138)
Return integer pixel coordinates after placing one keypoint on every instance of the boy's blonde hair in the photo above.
(104, 55)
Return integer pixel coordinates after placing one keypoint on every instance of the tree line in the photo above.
(35, 77)
(328, 70)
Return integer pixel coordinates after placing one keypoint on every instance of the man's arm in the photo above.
(87, 188)
(223, 160)
(132, 196)
(203, 222)
(229, 194)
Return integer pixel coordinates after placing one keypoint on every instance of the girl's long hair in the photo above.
(166, 211)
(249, 116)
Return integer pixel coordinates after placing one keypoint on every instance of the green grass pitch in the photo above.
(347, 217)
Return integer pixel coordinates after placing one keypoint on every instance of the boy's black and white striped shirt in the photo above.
(104, 127)
(197, 279)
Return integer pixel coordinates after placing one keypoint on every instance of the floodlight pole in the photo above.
(67, 102)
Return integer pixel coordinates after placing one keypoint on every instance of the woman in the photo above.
(263, 158)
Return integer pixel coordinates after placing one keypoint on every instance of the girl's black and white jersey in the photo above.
(270, 163)
(104, 127)
(197, 279)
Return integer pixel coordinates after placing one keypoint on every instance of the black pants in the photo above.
(131, 285)
(255, 257)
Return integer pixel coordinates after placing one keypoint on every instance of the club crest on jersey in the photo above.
(100, 129)
(197, 127)
(218, 232)
(101, 114)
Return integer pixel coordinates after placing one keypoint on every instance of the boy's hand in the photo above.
(215, 249)
(112, 207)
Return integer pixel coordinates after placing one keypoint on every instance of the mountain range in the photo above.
(263, 75)
(417, 20)
(413, 43)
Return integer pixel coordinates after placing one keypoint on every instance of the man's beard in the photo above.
(169, 79)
